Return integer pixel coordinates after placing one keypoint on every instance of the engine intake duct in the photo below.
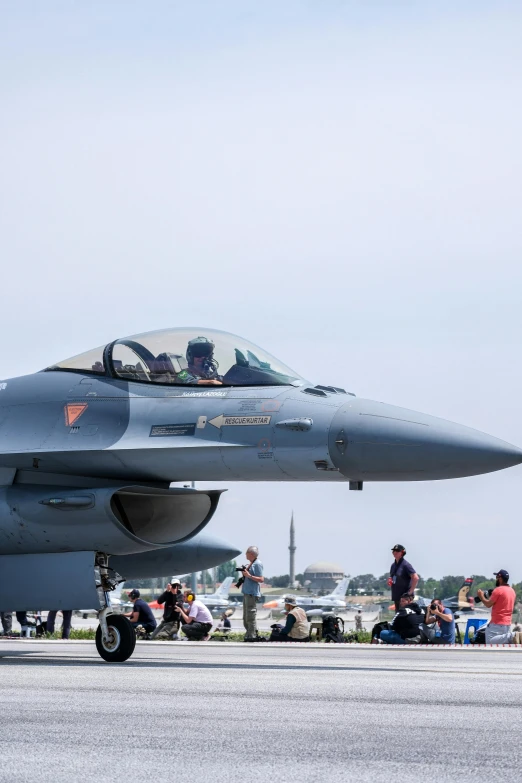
(116, 519)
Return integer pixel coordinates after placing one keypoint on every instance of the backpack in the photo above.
(333, 629)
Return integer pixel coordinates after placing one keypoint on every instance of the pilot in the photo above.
(202, 367)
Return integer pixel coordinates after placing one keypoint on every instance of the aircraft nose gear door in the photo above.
(115, 637)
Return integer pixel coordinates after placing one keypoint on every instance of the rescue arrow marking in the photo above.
(239, 421)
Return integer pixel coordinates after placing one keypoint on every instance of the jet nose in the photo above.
(376, 442)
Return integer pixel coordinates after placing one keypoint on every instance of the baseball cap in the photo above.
(290, 600)
(398, 548)
(174, 581)
(503, 573)
(134, 594)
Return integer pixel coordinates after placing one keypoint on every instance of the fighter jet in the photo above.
(90, 445)
(318, 605)
(219, 599)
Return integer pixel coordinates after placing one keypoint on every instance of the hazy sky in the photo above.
(338, 182)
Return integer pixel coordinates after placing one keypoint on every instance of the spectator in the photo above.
(502, 602)
(440, 614)
(141, 614)
(225, 626)
(297, 628)
(405, 626)
(7, 623)
(197, 623)
(251, 589)
(358, 621)
(171, 597)
(25, 633)
(403, 577)
(66, 622)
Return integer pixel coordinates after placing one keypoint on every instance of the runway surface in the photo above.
(222, 711)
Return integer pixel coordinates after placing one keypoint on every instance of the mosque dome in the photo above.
(323, 575)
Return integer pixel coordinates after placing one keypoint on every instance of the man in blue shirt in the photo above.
(403, 577)
(439, 613)
(141, 614)
(251, 589)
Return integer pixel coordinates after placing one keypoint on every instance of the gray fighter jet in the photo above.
(90, 445)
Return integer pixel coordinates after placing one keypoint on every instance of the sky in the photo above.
(337, 182)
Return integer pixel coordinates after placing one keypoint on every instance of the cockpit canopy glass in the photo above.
(188, 357)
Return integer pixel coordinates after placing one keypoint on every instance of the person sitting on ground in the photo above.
(224, 625)
(297, 628)
(171, 597)
(440, 614)
(404, 628)
(197, 623)
(141, 614)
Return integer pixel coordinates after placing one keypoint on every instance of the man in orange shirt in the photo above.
(502, 602)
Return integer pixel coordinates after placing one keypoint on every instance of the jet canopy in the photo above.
(188, 357)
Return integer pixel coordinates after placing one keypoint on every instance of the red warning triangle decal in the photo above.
(73, 411)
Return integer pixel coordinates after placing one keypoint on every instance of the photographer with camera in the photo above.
(249, 582)
(438, 613)
(502, 602)
(171, 597)
(197, 623)
(405, 626)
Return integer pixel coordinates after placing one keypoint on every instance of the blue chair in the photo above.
(473, 622)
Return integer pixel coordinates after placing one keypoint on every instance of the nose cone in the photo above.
(202, 551)
(371, 441)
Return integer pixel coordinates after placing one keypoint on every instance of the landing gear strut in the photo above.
(115, 637)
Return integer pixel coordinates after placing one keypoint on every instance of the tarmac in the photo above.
(223, 711)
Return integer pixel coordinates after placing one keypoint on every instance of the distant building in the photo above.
(323, 575)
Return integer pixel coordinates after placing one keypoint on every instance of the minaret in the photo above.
(292, 549)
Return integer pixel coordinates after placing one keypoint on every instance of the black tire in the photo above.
(122, 640)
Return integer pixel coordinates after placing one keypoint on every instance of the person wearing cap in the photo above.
(405, 626)
(141, 614)
(502, 602)
(172, 597)
(197, 623)
(297, 628)
(403, 577)
(438, 613)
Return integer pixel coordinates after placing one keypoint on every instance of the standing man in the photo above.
(171, 597)
(502, 602)
(7, 623)
(403, 577)
(251, 589)
(66, 622)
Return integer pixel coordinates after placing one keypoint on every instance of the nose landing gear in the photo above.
(115, 637)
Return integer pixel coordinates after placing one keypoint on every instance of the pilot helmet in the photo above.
(200, 346)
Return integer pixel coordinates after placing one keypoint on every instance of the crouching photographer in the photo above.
(171, 597)
(438, 613)
(197, 624)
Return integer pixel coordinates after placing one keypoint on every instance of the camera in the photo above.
(433, 607)
(241, 578)
(487, 595)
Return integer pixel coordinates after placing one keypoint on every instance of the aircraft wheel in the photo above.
(121, 642)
